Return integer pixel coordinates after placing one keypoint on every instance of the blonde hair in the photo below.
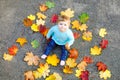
(64, 18)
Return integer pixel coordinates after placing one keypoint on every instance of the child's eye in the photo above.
(65, 25)
(60, 23)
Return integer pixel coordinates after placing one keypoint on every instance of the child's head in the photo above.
(63, 23)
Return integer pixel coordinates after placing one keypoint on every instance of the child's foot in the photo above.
(62, 62)
(44, 56)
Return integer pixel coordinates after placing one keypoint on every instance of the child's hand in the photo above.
(67, 46)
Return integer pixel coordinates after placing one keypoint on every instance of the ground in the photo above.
(103, 13)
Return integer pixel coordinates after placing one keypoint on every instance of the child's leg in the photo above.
(49, 47)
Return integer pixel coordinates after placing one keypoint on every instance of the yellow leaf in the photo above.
(82, 65)
(31, 17)
(102, 32)
(34, 27)
(67, 69)
(71, 62)
(53, 60)
(40, 22)
(41, 16)
(37, 74)
(51, 77)
(76, 24)
(69, 13)
(87, 36)
(95, 50)
(105, 74)
(21, 40)
(7, 57)
(57, 76)
(78, 73)
(83, 27)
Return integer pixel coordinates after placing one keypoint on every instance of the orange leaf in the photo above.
(87, 59)
(21, 40)
(67, 69)
(43, 7)
(13, 50)
(29, 75)
(82, 65)
(27, 22)
(101, 66)
(76, 35)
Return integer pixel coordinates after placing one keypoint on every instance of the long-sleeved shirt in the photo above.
(61, 38)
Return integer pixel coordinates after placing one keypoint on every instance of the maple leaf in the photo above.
(105, 74)
(71, 62)
(29, 75)
(31, 17)
(43, 30)
(7, 57)
(54, 18)
(50, 4)
(102, 32)
(67, 70)
(87, 59)
(68, 12)
(83, 27)
(53, 60)
(104, 43)
(78, 73)
(34, 28)
(83, 17)
(84, 75)
(95, 50)
(57, 76)
(73, 53)
(76, 24)
(35, 44)
(13, 50)
(40, 22)
(101, 66)
(41, 16)
(76, 35)
(82, 65)
(31, 59)
(43, 7)
(27, 22)
(21, 40)
(51, 77)
(87, 36)
(44, 70)
(37, 74)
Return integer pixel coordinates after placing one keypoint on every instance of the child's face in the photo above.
(63, 25)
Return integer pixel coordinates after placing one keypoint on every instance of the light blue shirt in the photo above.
(61, 38)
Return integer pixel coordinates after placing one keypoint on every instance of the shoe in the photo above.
(44, 56)
(62, 62)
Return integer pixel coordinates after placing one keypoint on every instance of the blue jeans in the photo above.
(51, 45)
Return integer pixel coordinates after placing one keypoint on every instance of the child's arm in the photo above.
(50, 32)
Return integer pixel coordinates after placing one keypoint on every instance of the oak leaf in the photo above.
(7, 57)
(68, 12)
(13, 50)
(21, 40)
(95, 50)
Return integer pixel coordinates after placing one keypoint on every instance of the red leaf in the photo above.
(87, 59)
(76, 35)
(101, 66)
(104, 43)
(73, 53)
(13, 50)
(84, 75)
(54, 18)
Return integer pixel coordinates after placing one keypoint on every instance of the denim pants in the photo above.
(51, 45)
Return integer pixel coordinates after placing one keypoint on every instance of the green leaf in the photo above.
(50, 4)
(83, 18)
(35, 44)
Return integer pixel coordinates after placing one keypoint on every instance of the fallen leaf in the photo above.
(29, 75)
(41, 16)
(37, 74)
(31, 17)
(67, 70)
(82, 65)
(73, 53)
(76, 35)
(43, 30)
(71, 62)
(13, 50)
(51, 77)
(87, 59)
(95, 50)
(101, 66)
(78, 73)
(83, 27)
(40, 22)
(52, 59)
(102, 32)
(7, 57)
(35, 44)
(31, 59)
(105, 74)
(57, 76)
(21, 40)
(87, 36)
(50, 4)
(54, 18)
(34, 28)
(43, 7)
(84, 75)
(104, 43)
(76, 24)
(68, 12)
(27, 22)
(84, 17)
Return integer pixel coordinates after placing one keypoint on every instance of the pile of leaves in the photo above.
(37, 24)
